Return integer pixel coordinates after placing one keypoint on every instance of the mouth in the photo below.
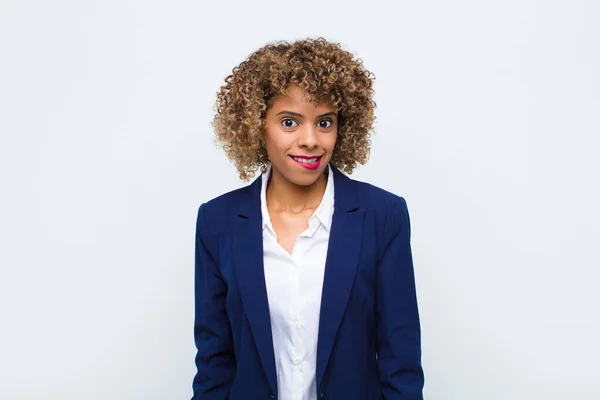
(307, 162)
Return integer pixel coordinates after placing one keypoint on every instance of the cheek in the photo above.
(276, 144)
(330, 142)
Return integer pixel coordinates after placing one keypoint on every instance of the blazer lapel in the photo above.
(340, 267)
(248, 260)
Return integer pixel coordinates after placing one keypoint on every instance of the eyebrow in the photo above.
(302, 116)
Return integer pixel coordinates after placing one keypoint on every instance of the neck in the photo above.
(283, 195)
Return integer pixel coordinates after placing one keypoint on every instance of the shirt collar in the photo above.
(323, 213)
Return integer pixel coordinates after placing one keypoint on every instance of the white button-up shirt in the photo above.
(294, 285)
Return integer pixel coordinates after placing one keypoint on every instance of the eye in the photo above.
(286, 124)
(326, 121)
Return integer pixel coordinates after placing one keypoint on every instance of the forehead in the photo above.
(296, 97)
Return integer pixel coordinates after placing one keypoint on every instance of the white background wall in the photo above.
(488, 114)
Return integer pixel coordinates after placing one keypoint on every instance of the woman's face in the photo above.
(300, 136)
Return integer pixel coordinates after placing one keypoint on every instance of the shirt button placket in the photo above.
(296, 342)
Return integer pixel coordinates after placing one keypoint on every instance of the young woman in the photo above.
(304, 281)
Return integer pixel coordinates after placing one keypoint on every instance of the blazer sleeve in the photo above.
(215, 360)
(397, 316)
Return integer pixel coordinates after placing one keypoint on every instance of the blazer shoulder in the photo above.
(388, 210)
(219, 211)
(375, 198)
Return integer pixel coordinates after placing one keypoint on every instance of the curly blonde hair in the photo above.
(325, 71)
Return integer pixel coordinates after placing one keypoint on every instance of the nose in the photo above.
(307, 137)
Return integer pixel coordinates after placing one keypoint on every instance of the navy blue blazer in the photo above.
(369, 341)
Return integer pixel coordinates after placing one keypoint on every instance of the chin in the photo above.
(297, 176)
(304, 180)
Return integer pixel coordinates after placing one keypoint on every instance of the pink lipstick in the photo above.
(307, 162)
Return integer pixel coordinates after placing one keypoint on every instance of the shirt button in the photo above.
(296, 362)
(295, 317)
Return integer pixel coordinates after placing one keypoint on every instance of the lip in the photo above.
(305, 165)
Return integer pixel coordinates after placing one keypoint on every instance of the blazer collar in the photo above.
(322, 214)
(345, 195)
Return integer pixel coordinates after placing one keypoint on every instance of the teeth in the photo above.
(306, 160)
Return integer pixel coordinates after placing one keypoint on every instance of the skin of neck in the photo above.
(284, 195)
